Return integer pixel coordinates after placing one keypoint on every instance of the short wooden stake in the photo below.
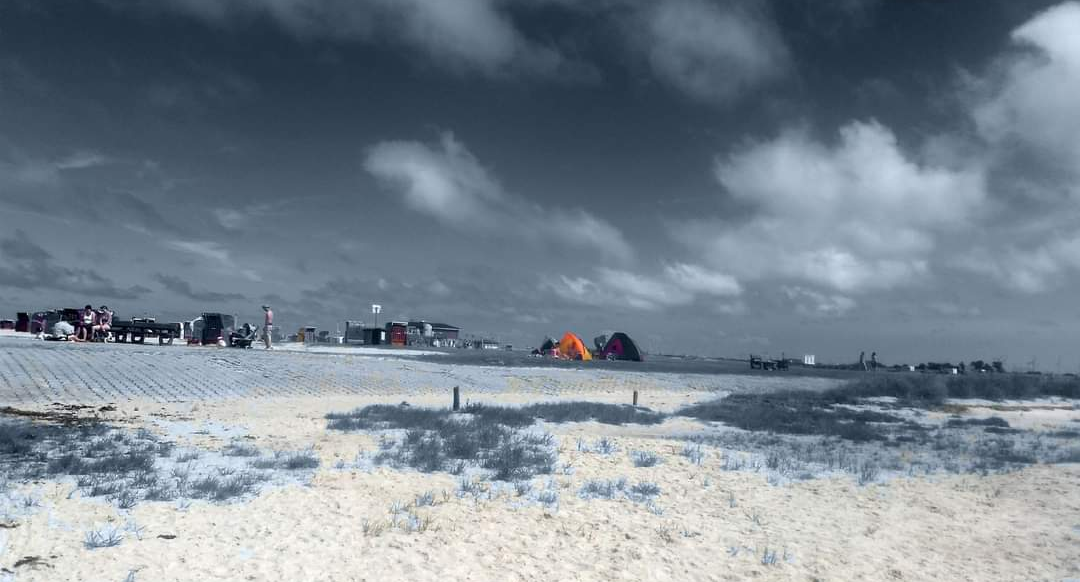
(635, 397)
(457, 399)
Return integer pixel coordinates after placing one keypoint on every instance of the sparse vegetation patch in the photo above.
(430, 440)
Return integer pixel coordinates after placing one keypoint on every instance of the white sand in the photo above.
(1020, 526)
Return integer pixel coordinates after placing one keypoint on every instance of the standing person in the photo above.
(86, 324)
(862, 361)
(873, 361)
(268, 327)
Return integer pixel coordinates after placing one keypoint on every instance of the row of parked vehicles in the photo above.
(208, 329)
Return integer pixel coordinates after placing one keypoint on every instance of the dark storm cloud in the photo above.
(25, 265)
(184, 289)
(814, 173)
(21, 248)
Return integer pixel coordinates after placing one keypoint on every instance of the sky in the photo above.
(713, 177)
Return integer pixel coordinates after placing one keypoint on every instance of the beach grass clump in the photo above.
(794, 412)
(993, 421)
(16, 438)
(441, 441)
(548, 497)
(297, 460)
(933, 389)
(516, 459)
(644, 459)
(582, 411)
(643, 490)
(108, 537)
(693, 453)
(602, 488)
(240, 450)
(225, 489)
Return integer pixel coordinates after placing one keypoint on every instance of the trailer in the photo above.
(137, 329)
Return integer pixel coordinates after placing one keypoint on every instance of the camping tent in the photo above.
(572, 348)
(621, 347)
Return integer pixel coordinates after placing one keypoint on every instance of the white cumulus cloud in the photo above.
(711, 51)
(448, 183)
(1034, 99)
(476, 35)
(852, 216)
(679, 284)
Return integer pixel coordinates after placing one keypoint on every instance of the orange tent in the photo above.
(573, 348)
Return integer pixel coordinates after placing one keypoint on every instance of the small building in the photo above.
(354, 332)
(397, 332)
(434, 334)
(374, 336)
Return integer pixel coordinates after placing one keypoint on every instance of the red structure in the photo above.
(398, 333)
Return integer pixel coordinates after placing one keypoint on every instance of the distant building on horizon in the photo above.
(436, 334)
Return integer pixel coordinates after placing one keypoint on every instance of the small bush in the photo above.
(644, 459)
(514, 461)
(644, 490)
(188, 455)
(995, 421)
(104, 538)
(605, 446)
(240, 450)
(602, 488)
(299, 460)
(617, 414)
(437, 440)
(693, 453)
(215, 489)
(793, 412)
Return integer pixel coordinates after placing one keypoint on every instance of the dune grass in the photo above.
(793, 412)
(437, 440)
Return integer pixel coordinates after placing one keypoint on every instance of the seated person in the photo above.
(86, 322)
(63, 331)
(242, 336)
(102, 323)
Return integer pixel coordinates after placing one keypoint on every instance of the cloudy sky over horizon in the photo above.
(713, 177)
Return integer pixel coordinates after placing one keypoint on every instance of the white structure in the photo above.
(808, 360)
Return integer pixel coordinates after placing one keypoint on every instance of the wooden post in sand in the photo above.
(635, 397)
(457, 399)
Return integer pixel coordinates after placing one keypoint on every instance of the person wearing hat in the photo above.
(268, 327)
(102, 323)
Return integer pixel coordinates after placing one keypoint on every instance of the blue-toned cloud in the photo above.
(447, 182)
(854, 216)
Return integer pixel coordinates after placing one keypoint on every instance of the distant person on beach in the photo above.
(873, 361)
(862, 361)
(268, 327)
(86, 324)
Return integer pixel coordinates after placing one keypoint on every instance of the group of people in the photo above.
(91, 323)
(868, 366)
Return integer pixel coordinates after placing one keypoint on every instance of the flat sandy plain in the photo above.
(350, 519)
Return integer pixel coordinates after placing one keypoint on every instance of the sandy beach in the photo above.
(351, 520)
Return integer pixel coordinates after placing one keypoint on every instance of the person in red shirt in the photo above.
(268, 327)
